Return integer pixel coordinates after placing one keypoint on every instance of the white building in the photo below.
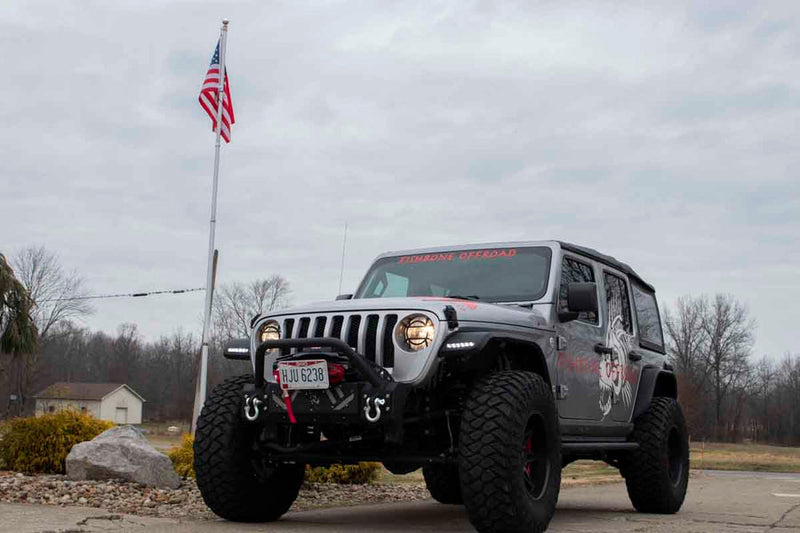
(116, 402)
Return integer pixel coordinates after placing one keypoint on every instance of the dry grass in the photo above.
(577, 473)
(752, 457)
(711, 456)
(161, 438)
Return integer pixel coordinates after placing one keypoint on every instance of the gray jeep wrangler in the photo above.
(488, 366)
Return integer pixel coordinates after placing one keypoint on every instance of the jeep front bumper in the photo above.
(374, 399)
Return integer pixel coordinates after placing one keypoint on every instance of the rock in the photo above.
(121, 453)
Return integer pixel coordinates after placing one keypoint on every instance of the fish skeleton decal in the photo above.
(614, 371)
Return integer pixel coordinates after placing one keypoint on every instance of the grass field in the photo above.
(753, 457)
(161, 437)
(708, 456)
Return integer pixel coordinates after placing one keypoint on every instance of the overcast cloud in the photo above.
(664, 134)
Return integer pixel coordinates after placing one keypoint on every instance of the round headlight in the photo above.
(415, 332)
(270, 331)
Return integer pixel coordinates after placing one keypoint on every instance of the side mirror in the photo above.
(581, 298)
(345, 297)
(237, 349)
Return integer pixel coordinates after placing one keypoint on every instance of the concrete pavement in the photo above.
(717, 502)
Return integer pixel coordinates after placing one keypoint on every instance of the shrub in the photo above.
(3, 430)
(359, 474)
(41, 444)
(183, 456)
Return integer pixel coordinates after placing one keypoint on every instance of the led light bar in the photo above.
(460, 345)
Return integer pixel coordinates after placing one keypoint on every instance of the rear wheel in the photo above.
(234, 483)
(443, 483)
(657, 474)
(510, 453)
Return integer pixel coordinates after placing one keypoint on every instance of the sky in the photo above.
(663, 133)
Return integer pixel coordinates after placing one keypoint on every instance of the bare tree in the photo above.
(730, 338)
(686, 336)
(236, 303)
(57, 294)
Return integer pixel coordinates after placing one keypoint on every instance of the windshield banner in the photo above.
(467, 255)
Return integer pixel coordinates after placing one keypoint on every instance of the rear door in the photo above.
(578, 362)
(620, 362)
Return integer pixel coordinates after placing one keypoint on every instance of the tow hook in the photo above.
(251, 409)
(377, 403)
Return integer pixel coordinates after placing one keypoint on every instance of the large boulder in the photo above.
(121, 453)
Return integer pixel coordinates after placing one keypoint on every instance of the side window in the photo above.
(617, 301)
(573, 271)
(650, 334)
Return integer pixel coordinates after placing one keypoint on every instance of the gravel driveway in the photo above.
(132, 498)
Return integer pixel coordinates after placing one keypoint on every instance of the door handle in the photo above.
(603, 349)
(635, 355)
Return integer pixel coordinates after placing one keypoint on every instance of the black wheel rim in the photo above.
(535, 458)
(676, 456)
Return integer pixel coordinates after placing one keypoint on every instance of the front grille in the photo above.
(370, 334)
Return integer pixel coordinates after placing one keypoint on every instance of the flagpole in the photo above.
(200, 397)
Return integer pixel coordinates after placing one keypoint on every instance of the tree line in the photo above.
(726, 393)
(34, 284)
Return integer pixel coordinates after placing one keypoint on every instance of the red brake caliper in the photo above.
(528, 448)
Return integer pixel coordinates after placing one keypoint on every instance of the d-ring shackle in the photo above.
(251, 409)
(377, 402)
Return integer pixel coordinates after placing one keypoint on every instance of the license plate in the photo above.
(307, 374)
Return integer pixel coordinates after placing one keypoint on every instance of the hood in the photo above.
(468, 310)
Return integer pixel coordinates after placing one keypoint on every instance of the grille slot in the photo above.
(370, 348)
(370, 334)
(319, 327)
(388, 345)
(352, 331)
(336, 331)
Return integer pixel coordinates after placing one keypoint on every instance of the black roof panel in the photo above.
(607, 259)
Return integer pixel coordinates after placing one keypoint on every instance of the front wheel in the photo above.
(233, 482)
(443, 483)
(510, 454)
(657, 473)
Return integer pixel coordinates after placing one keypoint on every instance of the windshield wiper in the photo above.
(470, 297)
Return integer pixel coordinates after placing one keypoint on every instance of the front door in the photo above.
(121, 415)
(578, 364)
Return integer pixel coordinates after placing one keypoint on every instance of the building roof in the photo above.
(82, 391)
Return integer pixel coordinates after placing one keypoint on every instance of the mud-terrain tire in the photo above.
(232, 484)
(657, 473)
(510, 453)
(443, 483)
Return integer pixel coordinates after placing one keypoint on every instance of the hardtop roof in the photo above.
(575, 248)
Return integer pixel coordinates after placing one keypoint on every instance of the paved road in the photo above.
(738, 502)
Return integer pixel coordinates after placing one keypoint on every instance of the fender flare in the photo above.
(654, 381)
(479, 341)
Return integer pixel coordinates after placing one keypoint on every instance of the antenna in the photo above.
(341, 269)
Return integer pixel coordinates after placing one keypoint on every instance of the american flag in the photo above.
(208, 97)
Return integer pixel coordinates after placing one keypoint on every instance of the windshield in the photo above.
(490, 274)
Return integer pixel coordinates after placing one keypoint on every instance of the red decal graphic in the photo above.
(461, 256)
(590, 365)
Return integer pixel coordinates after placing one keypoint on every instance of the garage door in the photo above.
(121, 416)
